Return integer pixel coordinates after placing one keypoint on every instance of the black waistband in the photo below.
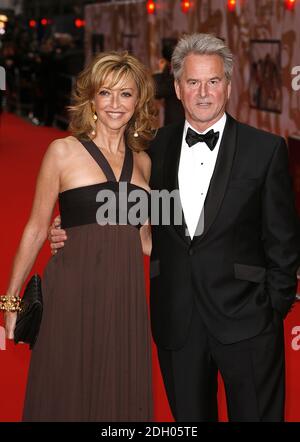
(104, 203)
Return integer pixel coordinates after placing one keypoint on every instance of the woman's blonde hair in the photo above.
(115, 66)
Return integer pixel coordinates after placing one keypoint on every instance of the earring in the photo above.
(135, 134)
(95, 118)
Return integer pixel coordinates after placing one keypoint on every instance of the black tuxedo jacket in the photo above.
(244, 264)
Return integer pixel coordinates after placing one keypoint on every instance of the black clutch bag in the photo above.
(30, 316)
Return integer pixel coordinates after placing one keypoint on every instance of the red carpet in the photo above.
(21, 150)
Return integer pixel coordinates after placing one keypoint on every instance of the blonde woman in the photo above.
(92, 359)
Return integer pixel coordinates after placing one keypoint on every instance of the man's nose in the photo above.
(202, 90)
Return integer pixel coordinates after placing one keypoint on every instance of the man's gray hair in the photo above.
(201, 44)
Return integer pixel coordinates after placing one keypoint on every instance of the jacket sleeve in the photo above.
(281, 232)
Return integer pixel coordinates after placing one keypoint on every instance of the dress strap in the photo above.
(102, 162)
(127, 169)
(100, 159)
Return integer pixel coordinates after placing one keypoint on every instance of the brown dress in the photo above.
(92, 358)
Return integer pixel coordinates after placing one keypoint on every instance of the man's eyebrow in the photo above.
(216, 77)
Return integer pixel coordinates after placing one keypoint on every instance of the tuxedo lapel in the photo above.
(171, 167)
(220, 177)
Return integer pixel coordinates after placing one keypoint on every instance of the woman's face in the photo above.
(116, 104)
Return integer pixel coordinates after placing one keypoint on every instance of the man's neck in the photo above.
(205, 126)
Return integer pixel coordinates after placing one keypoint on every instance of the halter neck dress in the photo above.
(92, 358)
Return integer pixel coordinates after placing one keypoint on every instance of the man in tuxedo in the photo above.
(222, 281)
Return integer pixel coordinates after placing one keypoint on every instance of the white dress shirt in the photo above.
(196, 167)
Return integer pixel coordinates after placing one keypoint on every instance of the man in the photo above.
(222, 282)
(164, 88)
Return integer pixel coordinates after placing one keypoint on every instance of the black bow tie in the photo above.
(210, 138)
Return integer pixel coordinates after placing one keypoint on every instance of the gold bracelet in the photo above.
(10, 303)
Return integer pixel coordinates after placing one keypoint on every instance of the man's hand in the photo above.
(56, 236)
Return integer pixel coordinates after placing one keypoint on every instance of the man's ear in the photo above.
(229, 90)
(177, 88)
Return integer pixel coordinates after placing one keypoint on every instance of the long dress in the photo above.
(92, 358)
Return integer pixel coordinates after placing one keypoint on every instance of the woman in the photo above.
(92, 359)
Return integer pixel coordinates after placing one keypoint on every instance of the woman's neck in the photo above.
(110, 140)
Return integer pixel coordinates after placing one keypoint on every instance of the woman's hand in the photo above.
(56, 235)
(10, 319)
(146, 238)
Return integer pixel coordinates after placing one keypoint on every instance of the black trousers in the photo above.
(252, 370)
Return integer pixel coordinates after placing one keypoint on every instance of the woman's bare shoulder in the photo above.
(62, 148)
(143, 161)
(63, 145)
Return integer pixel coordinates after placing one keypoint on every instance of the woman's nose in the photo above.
(115, 100)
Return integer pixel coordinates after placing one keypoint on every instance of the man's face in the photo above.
(203, 90)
